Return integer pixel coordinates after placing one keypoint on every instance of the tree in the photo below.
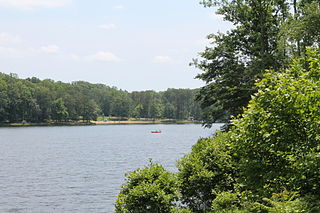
(301, 29)
(276, 141)
(206, 171)
(239, 57)
(121, 105)
(180, 103)
(156, 109)
(169, 110)
(43, 97)
(148, 190)
(35, 100)
(58, 110)
(88, 108)
(4, 99)
(136, 111)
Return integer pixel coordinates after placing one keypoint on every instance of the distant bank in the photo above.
(145, 122)
(111, 122)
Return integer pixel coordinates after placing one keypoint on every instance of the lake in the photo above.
(81, 169)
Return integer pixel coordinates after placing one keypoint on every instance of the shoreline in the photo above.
(145, 122)
(92, 123)
(43, 124)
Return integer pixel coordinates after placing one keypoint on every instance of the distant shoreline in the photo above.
(91, 123)
(145, 122)
(44, 124)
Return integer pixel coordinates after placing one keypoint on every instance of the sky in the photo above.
(132, 45)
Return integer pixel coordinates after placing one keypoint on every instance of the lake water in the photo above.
(80, 169)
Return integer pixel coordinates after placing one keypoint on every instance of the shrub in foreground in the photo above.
(245, 202)
(276, 142)
(150, 190)
(207, 169)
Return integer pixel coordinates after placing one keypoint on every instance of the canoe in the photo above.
(156, 131)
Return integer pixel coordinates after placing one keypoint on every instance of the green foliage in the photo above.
(268, 162)
(236, 202)
(266, 35)
(205, 171)
(120, 106)
(276, 141)
(240, 56)
(284, 202)
(59, 110)
(180, 210)
(226, 202)
(35, 100)
(3, 100)
(152, 189)
(301, 29)
(173, 103)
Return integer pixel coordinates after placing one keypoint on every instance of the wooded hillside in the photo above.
(35, 100)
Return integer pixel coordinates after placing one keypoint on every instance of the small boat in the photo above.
(156, 131)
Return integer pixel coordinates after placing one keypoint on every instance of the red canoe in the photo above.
(157, 131)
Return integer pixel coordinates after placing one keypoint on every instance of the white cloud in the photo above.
(50, 49)
(8, 38)
(74, 57)
(104, 56)
(162, 59)
(32, 4)
(118, 7)
(9, 52)
(107, 26)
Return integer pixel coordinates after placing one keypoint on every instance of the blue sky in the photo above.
(133, 45)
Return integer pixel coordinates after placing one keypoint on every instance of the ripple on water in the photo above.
(80, 169)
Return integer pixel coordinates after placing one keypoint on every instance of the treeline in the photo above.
(35, 100)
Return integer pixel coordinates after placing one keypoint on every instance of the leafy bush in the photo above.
(152, 190)
(276, 141)
(226, 202)
(206, 170)
(284, 202)
(180, 210)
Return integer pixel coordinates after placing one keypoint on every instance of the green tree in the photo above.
(88, 108)
(21, 101)
(180, 103)
(156, 109)
(239, 57)
(301, 29)
(207, 170)
(58, 110)
(276, 141)
(284, 202)
(169, 110)
(4, 99)
(148, 190)
(136, 111)
(33, 100)
(121, 105)
(44, 100)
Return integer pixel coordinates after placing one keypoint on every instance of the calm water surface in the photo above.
(80, 169)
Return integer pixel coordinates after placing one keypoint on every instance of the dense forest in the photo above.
(35, 100)
(264, 75)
